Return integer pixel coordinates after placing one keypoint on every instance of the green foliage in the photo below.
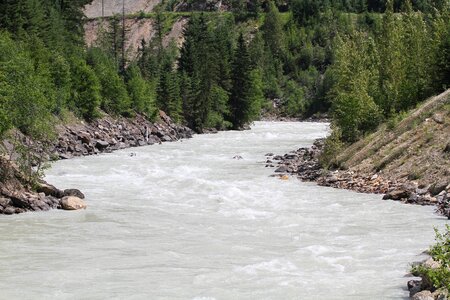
(113, 91)
(86, 97)
(294, 100)
(440, 252)
(378, 75)
(332, 148)
(219, 109)
(246, 90)
(354, 109)
(141, 94)
(26, 98)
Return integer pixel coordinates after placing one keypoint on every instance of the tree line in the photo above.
(343, 57)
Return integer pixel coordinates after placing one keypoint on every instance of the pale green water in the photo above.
(186, 221)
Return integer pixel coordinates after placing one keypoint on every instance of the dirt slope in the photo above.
(137, 30)
(111, 7)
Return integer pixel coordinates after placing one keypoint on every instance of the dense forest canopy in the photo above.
(362, 61)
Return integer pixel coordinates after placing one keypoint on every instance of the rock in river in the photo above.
(72, 203)
(74, 192)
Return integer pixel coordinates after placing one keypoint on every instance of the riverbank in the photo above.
(407, 159)
(19, 194)
(304, 164)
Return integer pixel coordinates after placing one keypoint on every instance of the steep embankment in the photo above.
(107, 8)
(137, 30)
(416, 149)
(19, 193)
(407, 161)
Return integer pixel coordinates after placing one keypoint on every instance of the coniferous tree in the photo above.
(240, 99)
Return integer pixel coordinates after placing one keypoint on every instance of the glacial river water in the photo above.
(185, 220)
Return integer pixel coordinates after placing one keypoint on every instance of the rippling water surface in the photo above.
(184, 220)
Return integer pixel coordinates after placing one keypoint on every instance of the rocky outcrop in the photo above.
(108, 134)
(18, 194)
(99, 8)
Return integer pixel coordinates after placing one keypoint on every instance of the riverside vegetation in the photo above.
(364, 63)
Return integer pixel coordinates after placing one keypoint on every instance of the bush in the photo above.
(440, 252)
(333, 146)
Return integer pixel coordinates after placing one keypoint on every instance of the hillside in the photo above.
(407, 160)
(417, 148)
(138, 29)
(106, 8)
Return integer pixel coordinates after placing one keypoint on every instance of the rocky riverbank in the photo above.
(18, 194)
(424, 289)
(109, 134)
(304, 163)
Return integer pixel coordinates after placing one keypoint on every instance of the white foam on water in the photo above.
(185, 220)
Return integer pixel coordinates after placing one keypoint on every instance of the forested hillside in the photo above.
(363, 62)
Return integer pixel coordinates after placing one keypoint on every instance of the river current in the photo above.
(185, 220)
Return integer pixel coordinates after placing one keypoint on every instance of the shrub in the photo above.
(440, 252)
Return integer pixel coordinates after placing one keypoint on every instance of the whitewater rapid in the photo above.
(185, 220)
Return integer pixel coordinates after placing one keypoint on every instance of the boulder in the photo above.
(74, 192)
(49, 190)
(437, 187)
(72, 203)
(430, 263)
(4, 202)
(397, 195)
(438, 118)
(282, 169)
(100, 144)
(85, 138)
(65, 156)
(440, 294)
(20, 200)
(414, 286)
(423, 295)
(9, 210)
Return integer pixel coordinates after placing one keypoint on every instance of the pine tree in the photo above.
(240, 100)
(391, 69)
(273, 34)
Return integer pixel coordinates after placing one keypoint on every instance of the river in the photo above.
(185, 220)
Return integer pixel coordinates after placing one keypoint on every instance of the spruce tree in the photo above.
(240, 99)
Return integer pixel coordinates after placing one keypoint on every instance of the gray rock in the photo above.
(49, 190)
(414, 286)
(423, 295)
(430, 263)
(332, 179)
(397, 195)
(72, 203)
(4, 202)
(282, 169)
(9, 210)
(440, 294)
(438, 118)
(437, 187)
(100, 144)
(74, 192)
(65, 156)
